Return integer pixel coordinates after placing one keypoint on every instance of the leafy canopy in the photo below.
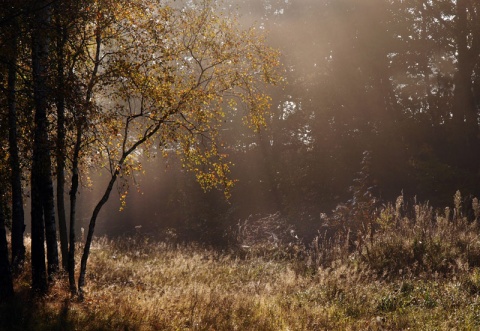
(170, 75)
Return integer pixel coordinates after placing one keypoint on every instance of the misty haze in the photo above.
(240, 165)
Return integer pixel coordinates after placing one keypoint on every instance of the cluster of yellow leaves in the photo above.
(170, 75)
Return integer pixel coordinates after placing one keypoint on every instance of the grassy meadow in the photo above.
(414, 272)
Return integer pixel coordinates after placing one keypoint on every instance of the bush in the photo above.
(427, 242)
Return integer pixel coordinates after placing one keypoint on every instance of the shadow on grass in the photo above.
(25, 312)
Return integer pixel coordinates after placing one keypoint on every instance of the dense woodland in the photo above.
(355, 103)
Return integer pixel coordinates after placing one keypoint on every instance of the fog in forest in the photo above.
(239, 164)
(372, 104)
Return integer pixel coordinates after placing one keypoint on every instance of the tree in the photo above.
(170, 76)
(61, 36)
(72, 28)
(396, 78)
(80, 113)
(43, 215)
(18, 226)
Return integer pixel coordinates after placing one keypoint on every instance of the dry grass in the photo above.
(420, 273)
(145, 286)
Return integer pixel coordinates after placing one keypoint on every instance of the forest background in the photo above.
(399, 80)
(381, 99)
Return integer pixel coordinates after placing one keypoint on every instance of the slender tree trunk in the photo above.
(116, 171)
(91, 229)
(39, 271)
(50, 226)
(18, 225)
(73, 204)
(41, 180)
(6, 283)
(61, 152)
(75, 174)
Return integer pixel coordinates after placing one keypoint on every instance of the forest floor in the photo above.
(136, 284)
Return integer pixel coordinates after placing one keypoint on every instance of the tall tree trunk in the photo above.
(41, 180)
(6, 283)
(75, 174)
(18, 225)
(50, 226)
(73, 204)
(61, 152)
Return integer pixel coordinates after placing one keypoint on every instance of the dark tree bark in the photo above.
(50, 225)
(6, 283)
(61, 35)
(73, 208)
(18, 225)
(43, 217)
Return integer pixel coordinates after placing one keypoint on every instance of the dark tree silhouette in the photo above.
(43, 217)
(18, 222)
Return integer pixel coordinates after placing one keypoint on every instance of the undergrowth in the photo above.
(403, 268)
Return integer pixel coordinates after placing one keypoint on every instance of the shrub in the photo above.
(426, 242)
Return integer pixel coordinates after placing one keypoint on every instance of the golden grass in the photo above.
(135, 284)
